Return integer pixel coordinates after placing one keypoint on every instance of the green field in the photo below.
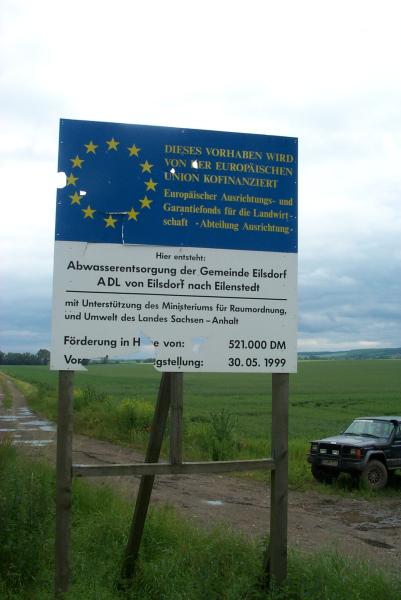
(234, 409)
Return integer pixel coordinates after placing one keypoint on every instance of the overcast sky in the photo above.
(325, 72)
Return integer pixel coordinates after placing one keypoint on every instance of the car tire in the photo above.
(375, 475)
(323, 475)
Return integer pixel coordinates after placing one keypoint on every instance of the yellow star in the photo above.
(75, 198)
(146, 167)
(77, 162)
(112, 144)
(132, 215)
(150, 185)
(88, 212)
(71, 179)
(110, 222)
(145, 202)
(91, 147)
(133, 150)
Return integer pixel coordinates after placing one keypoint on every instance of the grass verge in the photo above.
(7, 399)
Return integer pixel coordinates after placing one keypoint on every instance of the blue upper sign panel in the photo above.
(135, 184)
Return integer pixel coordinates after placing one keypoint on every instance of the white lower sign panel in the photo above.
(190, 309)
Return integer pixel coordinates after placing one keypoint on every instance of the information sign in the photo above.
(176, 242)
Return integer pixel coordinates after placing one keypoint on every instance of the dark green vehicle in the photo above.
(369, 449)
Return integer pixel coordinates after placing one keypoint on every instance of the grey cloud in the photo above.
(25, 325)
(354, 300)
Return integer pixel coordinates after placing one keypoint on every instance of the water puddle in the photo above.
(366, 522)
(214, 502)
(352, 517)
(35, 443)
(25, 428)
(39, 424)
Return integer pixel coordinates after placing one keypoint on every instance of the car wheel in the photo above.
(323, 475)
(374, 475)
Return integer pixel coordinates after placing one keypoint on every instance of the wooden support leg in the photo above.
(275, 564)
(176, 418)
(146, 485)
(63, 482)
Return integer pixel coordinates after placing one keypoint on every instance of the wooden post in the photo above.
(276, 557)
(146, 485)
(63, 482)
(176, 418)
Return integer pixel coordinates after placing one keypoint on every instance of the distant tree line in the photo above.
(361, 354)
(42, 357)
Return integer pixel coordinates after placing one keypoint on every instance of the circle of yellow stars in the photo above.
(112, 146)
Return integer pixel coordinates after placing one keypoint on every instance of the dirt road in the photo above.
(357, 528)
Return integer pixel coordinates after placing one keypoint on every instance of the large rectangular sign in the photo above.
(178, 242)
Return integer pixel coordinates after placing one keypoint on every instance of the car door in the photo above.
(394, 460)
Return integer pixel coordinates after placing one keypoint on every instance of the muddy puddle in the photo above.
(373, 520)
(23, 428)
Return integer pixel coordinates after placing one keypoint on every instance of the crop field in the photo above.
(226, 415)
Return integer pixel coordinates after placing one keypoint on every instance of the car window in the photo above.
(379, 429)
(398, 434)
(370, 427)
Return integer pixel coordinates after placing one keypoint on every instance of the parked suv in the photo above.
(368, 450)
